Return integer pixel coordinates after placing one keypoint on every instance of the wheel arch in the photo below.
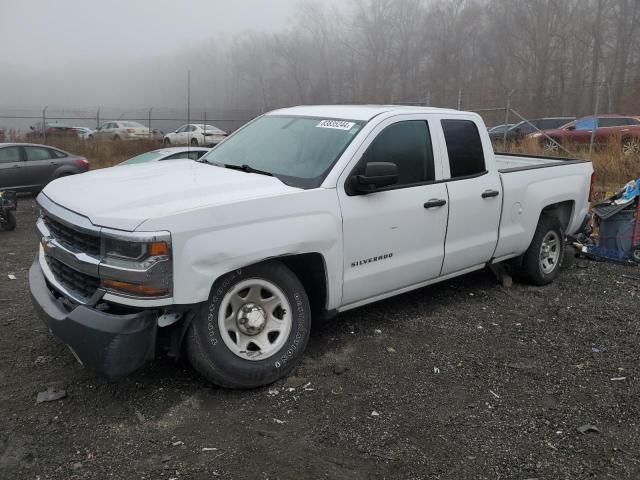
(563, 211)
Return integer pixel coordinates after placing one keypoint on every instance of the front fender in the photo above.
(212, 241)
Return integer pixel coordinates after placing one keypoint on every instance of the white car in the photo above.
(171, 153)
(84, 133)
(304, 212)
(195, 134)
(121, 130)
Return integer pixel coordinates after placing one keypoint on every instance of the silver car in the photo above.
(121, 130)
(171, 153)
(28, 167)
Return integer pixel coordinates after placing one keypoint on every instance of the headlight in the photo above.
(137, 265)
(133, 250)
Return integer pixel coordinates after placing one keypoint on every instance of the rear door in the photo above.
(475, 201)
(12, 171)
(41, 163)
(394, 238)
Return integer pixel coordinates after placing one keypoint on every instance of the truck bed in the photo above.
(514, 162)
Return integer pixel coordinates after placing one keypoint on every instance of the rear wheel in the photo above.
(541, 262)
(10, 222)
(116, 138)
(253, 329)
(194, 142)
(166, 141)
(630, 147)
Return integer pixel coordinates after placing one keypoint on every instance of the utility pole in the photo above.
(506, 120)
(98, 118)
(460, 98)
(427, 102)
(44, 124)
(150, 110)
(595, 119)
(188, 107)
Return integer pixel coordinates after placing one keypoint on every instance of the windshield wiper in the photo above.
(243, 168)
(247, 169)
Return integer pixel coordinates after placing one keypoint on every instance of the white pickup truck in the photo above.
(305, 211)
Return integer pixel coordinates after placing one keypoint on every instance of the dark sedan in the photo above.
(26, 167)
(520, 130)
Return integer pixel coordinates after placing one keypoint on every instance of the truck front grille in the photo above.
(73, 239)
(82, 286)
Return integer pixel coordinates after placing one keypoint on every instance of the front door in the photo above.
(394, 238)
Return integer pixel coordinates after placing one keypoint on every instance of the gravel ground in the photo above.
(460, 380)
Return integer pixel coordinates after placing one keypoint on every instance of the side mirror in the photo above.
(376, 175)
(571, 128)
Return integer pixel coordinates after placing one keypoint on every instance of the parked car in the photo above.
(307, 211)
(26, 167)
(520, 130)
(619, 130)
(51, 129)
(171, 153)
(121, 130)
(195, 134)
(500, 129)
(83, 133)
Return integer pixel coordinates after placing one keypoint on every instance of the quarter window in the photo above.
(466, 156)
(408, 145)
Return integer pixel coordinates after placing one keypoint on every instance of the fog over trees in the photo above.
(553, 56)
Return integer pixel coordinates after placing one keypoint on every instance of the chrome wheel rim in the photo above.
(255, 319)
(550, 147)
(630, 147)
(550, 252)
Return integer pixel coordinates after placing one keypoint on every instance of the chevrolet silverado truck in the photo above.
(304, 212)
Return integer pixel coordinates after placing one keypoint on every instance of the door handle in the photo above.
(435, 202)
(490, 193)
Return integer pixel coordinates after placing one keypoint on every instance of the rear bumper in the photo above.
(112, 345)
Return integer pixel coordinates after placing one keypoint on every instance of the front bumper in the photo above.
(112, 345)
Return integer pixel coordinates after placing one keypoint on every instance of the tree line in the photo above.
(549, 57)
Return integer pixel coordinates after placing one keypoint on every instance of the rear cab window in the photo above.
(464, 147)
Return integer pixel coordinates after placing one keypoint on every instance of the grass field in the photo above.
(612, 168)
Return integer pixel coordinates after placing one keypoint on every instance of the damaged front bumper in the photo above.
(114, 345)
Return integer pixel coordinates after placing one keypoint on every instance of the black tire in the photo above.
(214, 360)
(532, 268)
(636, 254)
(166, 141)
(194, 142)
(10, 224)
(116, 138)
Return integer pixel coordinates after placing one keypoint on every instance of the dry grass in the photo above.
(104, 153)
(612, 168)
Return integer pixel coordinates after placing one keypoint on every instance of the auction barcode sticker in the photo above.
(336, 124)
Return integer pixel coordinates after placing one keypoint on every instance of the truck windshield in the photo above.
(300, 151)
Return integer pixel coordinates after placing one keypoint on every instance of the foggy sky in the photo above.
(81, 53)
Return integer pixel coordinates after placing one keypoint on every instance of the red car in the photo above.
(610, 130)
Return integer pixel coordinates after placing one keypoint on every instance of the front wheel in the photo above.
(167, 142)
(631, 147)
(541, 262)
(194, 142)
(253, 329)
(8, 224)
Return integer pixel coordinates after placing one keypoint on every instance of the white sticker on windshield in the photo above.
(335, 124)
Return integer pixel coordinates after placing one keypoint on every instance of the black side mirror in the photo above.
(376, 175)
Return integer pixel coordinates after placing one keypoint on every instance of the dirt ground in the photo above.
(460, 380)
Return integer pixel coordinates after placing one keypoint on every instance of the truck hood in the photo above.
(123, 197)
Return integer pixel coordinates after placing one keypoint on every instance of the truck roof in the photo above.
(354, 112)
